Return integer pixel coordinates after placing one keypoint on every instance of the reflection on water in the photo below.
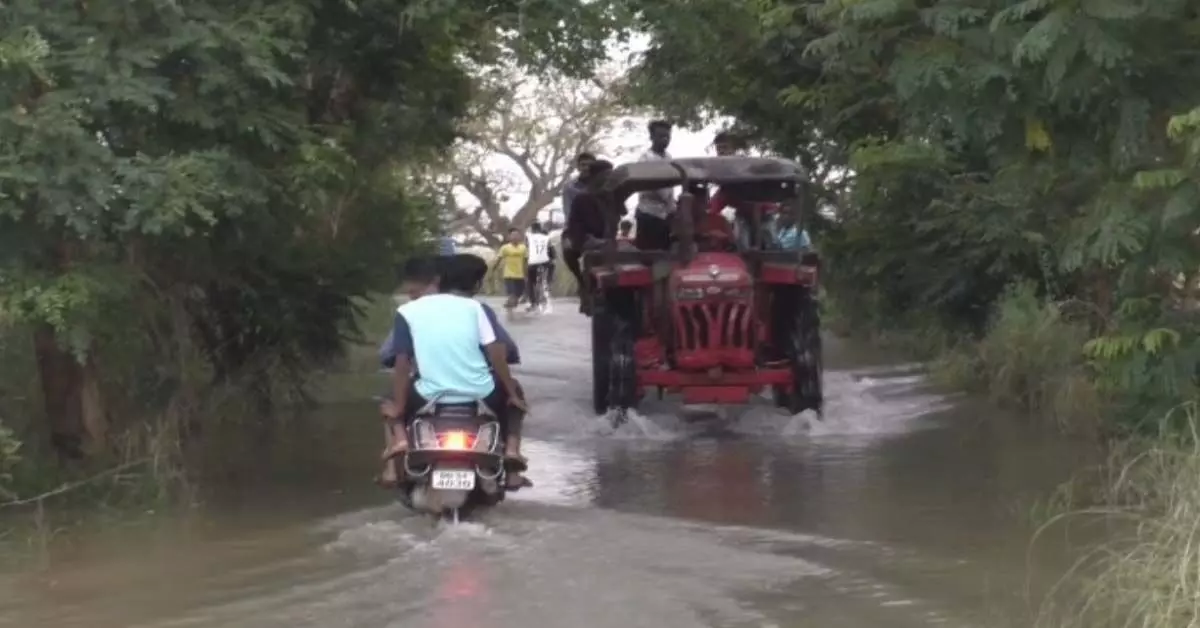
(901, 508)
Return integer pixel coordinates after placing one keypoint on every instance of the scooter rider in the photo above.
(442, 335)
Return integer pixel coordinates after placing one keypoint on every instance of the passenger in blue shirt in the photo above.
(788, 235)
(421, 278)
(438, 357)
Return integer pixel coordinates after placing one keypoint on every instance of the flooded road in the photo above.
(902, 508)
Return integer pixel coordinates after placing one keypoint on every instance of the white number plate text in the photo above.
(453, 480)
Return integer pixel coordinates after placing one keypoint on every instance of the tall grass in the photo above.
(1031, 359)
(1148, 574)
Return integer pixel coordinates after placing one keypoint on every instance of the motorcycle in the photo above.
(456, 462)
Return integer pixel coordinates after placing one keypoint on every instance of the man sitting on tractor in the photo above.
(728, 145)
(788, 235)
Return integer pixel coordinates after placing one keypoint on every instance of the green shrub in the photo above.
(1030, 358)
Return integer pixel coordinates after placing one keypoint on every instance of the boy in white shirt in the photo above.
(537, 243)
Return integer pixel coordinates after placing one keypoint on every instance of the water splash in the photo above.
(377, 537)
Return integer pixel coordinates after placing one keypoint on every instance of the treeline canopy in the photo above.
(221, 179)
(990, 141)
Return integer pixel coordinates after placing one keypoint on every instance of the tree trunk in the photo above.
(74, 406)
(182, 408)
(92, 410)
(60, 388)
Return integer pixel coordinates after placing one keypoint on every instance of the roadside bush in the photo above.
(1030, 358)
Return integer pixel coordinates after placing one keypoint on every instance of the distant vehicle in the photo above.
(712, 320)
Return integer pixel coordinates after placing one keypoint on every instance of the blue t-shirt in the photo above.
(445, 332)
(390, 348)
(793, 239)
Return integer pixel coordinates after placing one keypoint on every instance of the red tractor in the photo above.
(716, 319)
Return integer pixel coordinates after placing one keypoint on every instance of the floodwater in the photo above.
(901, 508)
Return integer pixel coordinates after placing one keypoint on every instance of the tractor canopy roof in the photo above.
(756, 172)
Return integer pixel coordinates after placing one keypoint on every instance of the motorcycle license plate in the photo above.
(453, 480)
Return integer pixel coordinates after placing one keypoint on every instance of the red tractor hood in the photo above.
(723, 269)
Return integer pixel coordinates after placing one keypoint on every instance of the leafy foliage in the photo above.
(989, 143)
(223, 179)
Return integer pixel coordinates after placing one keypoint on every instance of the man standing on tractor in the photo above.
(725, 144)
(575, 187)
(585, 221)
(655, 207)
(585, 228)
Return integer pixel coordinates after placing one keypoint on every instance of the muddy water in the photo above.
(902, 508)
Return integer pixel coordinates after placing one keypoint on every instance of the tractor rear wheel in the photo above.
(614, 367)
(623, 392)
(602, 332)
(804, 354)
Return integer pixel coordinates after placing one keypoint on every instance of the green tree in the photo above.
(221, 180)
(990, 142)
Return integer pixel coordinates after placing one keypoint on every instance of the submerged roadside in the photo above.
(164, 448)
(1043, 361)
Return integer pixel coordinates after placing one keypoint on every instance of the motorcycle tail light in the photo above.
(456, 441)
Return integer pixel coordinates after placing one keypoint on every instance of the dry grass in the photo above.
(1147, 575)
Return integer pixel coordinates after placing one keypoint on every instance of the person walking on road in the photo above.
(512, 260)
(538, 245)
